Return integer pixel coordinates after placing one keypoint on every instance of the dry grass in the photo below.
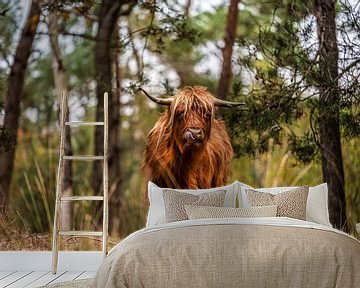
(12, 238)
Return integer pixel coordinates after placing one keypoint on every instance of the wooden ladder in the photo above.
(59, 198)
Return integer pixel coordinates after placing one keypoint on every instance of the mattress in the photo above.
(234, 252)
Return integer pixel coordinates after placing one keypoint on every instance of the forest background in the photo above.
(294, 63)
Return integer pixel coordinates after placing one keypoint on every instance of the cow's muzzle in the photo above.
(193, 135)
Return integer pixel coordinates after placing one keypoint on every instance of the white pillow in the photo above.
(156, 214)
(316, 207)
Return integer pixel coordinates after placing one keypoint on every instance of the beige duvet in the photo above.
(274, 252)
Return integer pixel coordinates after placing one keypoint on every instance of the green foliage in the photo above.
(179, 40)
(38, 92)
(268, 110)
(352, 167)
(169, 29)
(210, 24)
(350, 122)
(79, 64)
(8, 25)
(304, 148)
(286, 86)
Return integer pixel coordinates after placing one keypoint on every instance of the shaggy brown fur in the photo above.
(171, 161)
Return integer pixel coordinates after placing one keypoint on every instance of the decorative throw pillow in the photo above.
(290, 203)
(175, 201)
(201, 212)
(156, 213)
(317, 203)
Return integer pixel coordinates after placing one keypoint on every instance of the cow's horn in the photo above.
(161, 101)
(227, 104)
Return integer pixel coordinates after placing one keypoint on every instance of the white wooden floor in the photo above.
(33, 269)
(32, 279)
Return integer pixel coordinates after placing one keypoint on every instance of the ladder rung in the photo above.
(84, 158)
(80, 233)
(84, 123)
(79, 198)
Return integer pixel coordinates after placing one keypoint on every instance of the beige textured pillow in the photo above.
(290, 203)
(201, 212)
(175, 201)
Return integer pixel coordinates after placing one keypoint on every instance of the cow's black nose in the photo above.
(195, 133)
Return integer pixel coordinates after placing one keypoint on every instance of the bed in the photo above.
(232, 252)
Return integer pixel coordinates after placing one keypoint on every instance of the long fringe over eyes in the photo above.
(189, 99)
(192, 99)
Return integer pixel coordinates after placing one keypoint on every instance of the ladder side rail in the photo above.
(55, 242)
(105, 175)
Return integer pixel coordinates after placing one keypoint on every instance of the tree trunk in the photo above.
(187, 8)
(116, 212)
(229, 39)
(14, 97)
(108, 17)
(330, 138)
(61, 86)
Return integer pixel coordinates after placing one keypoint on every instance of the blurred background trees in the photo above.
(295, 63)
(14, 95)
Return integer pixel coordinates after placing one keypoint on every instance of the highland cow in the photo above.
(188, 148)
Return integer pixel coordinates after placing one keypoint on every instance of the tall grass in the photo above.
(275, 168)
(351, 152)
(32, 199)
(32, 191)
